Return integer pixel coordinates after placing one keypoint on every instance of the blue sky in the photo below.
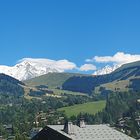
(68, 29)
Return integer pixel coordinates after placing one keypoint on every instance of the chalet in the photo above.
(80, 132)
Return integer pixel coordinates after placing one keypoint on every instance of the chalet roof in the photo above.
(92, 132)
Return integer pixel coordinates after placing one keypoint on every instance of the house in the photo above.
(9, 128)
(80, 132)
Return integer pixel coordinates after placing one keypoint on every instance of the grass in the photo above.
(114, 86)
(90, 107)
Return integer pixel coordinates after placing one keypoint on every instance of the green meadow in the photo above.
(90, 107)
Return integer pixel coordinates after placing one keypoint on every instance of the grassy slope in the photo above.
(53, 80)
(56, 92)
(91, 108)
(115, 86)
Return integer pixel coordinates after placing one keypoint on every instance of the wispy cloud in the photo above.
(87, 67)
(62, 65)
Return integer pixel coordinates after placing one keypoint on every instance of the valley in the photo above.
(54, 98)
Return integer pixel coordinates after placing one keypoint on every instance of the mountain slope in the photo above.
(128, 78)
(126, 73)
(10, 86)
(124, 76)
(52, 80)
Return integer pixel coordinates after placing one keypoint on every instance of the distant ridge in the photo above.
(53, 80)
(88, 84)
(129, 65)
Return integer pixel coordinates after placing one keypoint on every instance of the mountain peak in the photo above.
(28, 68)
(107, 69)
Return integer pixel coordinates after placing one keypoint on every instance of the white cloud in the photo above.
(118, 58)
(87, 67)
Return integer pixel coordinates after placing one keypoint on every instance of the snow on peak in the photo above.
(106, 70)
(28, 68)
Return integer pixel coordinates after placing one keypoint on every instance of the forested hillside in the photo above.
(10, 86)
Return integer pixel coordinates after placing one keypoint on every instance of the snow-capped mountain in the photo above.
(29, 68)
(106, 70)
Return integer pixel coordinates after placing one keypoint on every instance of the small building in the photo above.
(80, 132)
(9, 129)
